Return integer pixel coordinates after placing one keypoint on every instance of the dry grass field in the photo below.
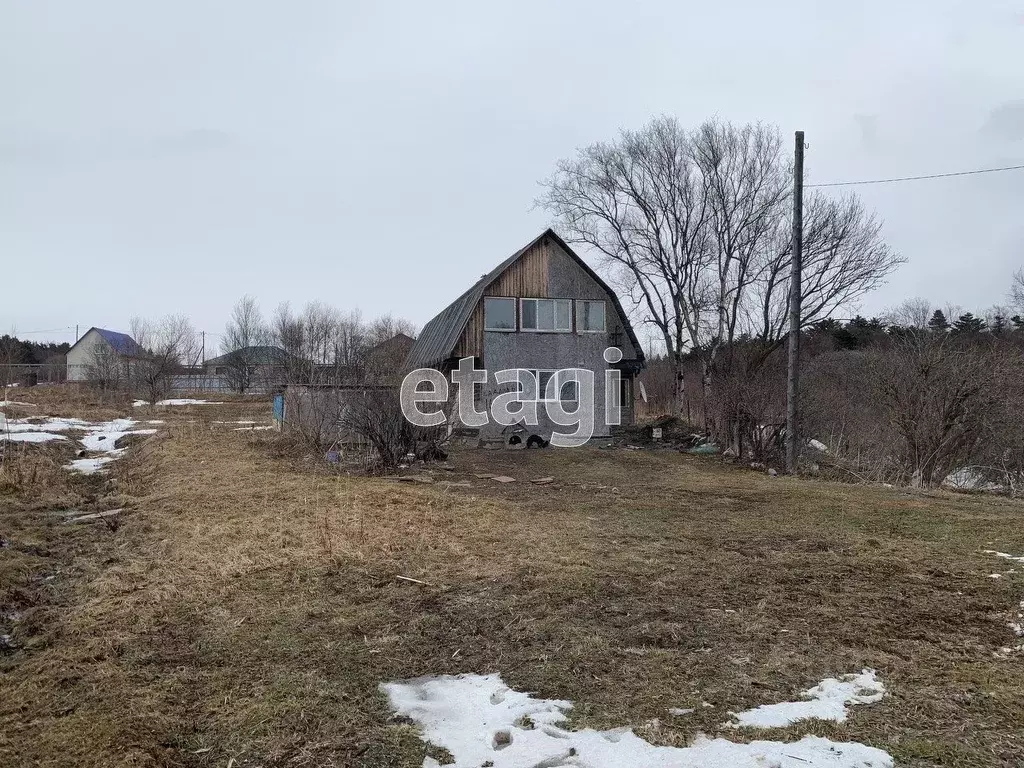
(244, 607)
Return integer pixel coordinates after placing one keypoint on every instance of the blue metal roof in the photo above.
(122, 343)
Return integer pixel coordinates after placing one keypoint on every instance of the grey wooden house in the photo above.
(542, 309)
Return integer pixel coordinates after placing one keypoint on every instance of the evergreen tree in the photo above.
(938, 321)
(998, 326)
(1018, 322)
(968, 323)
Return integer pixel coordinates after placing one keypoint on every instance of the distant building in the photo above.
(101, 356)
(248, 369)
(384, 360)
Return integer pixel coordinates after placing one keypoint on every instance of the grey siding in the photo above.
(554, 351)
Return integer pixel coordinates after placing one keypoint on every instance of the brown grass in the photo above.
(247, 606)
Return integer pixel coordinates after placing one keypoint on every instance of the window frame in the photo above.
(540, 394)
(554, 312)
(579, 315)
(515, 318)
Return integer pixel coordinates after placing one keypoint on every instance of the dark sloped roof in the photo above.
(121, 343)
(439, 336)
(256, 355)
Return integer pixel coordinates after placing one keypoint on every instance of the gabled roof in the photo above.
(437, 340)
(256, 355)
(121, 343)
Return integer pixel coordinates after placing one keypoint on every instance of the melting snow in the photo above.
(51, 424)
(818, 445)
(33, 437)
(481, 721)
(92, 466)
(102, 437)
(828, 700)
(1004, 555)
(99, 437)
(1016, 626)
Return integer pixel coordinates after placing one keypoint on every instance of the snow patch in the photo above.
(969, 479)
(102, 437)
(481, 721)
(818, 445)
(828, 700)
(1003, 555)
(91, 466)
(33, 437)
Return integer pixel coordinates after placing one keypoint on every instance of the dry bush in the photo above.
(748, 407)
(938, 392)
(34, 471)
(376, 416)
(839, 409)
(920, 408)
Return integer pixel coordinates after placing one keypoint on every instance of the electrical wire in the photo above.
(918, 178)
(49, 330)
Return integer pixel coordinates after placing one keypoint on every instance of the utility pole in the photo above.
(795, 291)
(76, 333)
(204, 349)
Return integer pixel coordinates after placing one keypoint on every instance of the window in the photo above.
(568, 390)
(590, 316)
(499, 314)
(546, 315)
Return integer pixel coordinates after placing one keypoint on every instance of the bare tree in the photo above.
(169, 345)
(10, 356)
(287, 332)
(910, 313)
(326, 345)
(1017, 289)
(694, 225)
(246, 337)
(108, 369)
(386, 327)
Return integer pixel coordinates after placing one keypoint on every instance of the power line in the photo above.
(49, 330)
(918, 178)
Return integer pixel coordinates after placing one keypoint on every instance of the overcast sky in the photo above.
(170, 157)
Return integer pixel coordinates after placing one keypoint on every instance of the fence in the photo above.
(30, 374)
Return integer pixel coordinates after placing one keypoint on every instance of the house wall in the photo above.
(81, 358)
(547, 271)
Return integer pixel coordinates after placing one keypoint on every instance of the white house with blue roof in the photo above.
(101, 355)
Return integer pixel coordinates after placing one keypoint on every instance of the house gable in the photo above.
(545, 268)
